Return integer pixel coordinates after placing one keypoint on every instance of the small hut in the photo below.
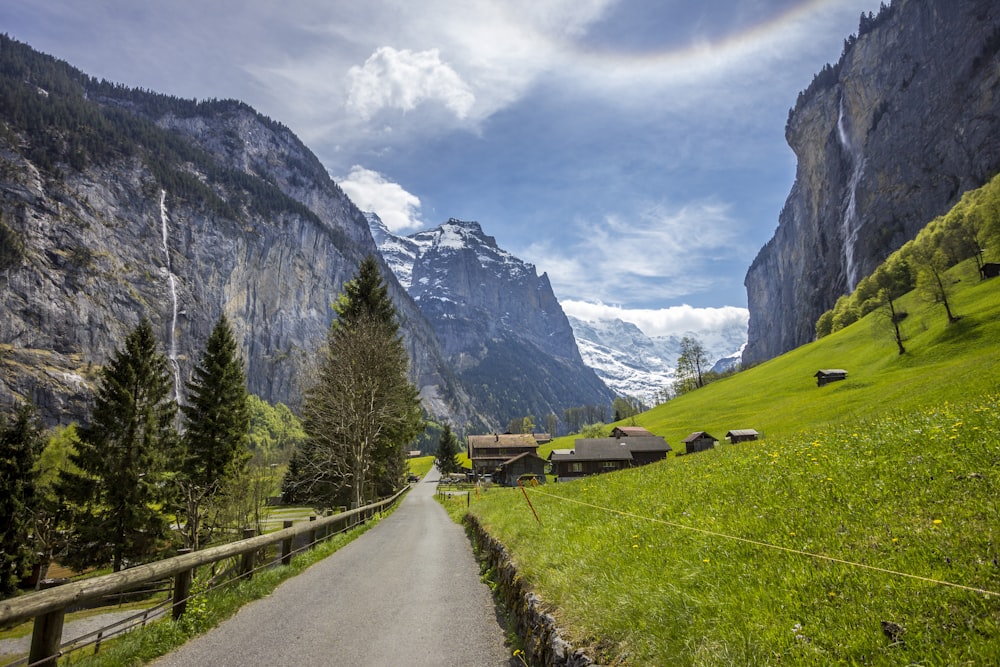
(699, 441)
(827, 375)
(741, 435)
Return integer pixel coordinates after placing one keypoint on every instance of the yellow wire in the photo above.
(790, 550)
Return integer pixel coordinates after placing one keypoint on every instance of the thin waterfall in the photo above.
(172, 281)
(850, 223)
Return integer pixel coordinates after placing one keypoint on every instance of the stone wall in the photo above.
(543, 645)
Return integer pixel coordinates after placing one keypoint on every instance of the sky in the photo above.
(633, 150)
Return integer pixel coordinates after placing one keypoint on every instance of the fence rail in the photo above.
(48, 607)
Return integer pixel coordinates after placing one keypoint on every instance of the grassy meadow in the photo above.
(863, 528)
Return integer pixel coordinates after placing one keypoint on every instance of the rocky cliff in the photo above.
(886, 139)
(120, 204)
(498, 321)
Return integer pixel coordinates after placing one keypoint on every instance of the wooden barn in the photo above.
(699, 441)
(590, 456)
(508, 472)
(825, 376)
(741, 435)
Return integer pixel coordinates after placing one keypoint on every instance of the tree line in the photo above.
(967, 231)
(145, 475)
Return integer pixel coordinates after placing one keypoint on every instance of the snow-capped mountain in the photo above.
(634, 364)
(497, 321)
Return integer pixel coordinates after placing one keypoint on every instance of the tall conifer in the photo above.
(120, 489)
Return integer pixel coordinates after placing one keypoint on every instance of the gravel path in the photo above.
(407, 592)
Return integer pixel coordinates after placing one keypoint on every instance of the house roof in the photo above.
(631, 431)
(698, 435)
(601, 449)
(741, 431)
(523, 455)
(647, 443)
(830, 371)
(501, 441)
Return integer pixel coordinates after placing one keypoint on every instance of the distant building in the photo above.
(630, 431)
(487, 452)
(827, 375)
(508, 472)
(741, 435)
(989, 270)
(699, 441)
(592, 456)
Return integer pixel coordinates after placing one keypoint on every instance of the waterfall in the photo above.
(849, 222)
(172, 282)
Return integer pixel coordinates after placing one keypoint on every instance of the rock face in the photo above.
(886, 140)
(123, 204)
(498, 322)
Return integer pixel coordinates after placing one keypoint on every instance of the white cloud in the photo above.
(660, 321)
(402, 79)
(662, 251)
(370, 191)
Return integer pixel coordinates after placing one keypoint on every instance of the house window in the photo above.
(610, 465)
(576, 467)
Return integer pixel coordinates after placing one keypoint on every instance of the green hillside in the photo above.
(862, 529)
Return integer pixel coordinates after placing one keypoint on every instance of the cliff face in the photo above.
(498, 322)
(124, 204)
(886, 140)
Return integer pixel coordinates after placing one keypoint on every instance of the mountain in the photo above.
(886, 140)
(498, 322)
(634, 364)
(118, 204)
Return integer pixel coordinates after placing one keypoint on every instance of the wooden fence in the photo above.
(48, 607)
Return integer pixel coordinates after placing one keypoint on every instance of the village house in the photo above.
(827, 375)
(488, 452)
(741, 435)
(522, 465)
(699, 441)
(628, 447)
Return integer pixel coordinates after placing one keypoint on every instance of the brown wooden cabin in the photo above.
(487, 452)
(825, 376)
(630, 431)
(741, 435)
(699, 441)
(508, 472)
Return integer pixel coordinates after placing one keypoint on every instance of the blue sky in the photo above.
(632, 149)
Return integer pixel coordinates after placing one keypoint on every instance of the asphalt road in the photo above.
(407, 592)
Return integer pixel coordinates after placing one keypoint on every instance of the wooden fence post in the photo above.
(286, 544)
(182, 588)
(312, 533)
(246, 564)
(46, 639)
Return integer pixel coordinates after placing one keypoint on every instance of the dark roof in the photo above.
(521, 456)
(830, 371)
(741, 431)
(698, 435)
(593, 449)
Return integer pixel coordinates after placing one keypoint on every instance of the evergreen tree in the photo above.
(20, 446)
(446, 457)
(120, 485)
(362, 410)
(217, 421)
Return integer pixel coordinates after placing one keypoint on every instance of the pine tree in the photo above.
(20, 446)
(217, 421)
(362, 409)
(446, 457)
(120, 490)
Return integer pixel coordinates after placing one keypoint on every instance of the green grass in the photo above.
(869, 500)
(420, 465)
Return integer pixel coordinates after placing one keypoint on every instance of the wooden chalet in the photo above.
(508, 472)
(699, 441)
(592, 456)
(825, 376)
(630, 431)
(741, 435)
(487, 452)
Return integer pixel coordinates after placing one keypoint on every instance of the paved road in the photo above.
(407, 592)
